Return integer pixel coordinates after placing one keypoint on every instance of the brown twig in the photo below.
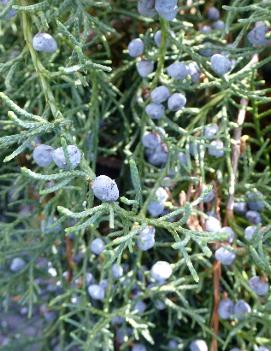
(236, 148)
(215, 317)
(69, 255)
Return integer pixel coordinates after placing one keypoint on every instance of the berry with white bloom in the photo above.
(97, 246)
(212, 224)
(194, 71)
(155, 111)
(139, 347)
(254, 217)
(240, 207)
(218, 25)
(258, 285)
(213, 13)
(241, 309)
(255, 201)
(42, 155)
(257, 36)
(198, 345)
(96, 292)
(225, 256)
(225, 309)
(105, 189)
(220, 64)
(144, 68)
(160, 94)
(140, 307)
(216, 148)
(161, 271)
(155, 208)
(73, 154)
(44, 42)
(230, 232)
(176, 102)
(151, 140)
(177, 70)
(146, 8)
(250, 231)
(17, 264)
(136, 47)
(210, 131)
(117, 271)
(146, 239)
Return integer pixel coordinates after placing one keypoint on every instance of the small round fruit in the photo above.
(176, 102)
(97, 246)
(258, 285)
(161, 271)
(160, 94)
(220, 64)
(136, 47)
(44, 42)
(144, 68)
(225, 309)
(155, 111)
(42, 155)
(74, 155)
(225, 256)
(105, 189)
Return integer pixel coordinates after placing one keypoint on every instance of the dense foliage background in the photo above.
(89, 93)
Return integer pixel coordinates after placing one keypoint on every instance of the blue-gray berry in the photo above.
(161, 271)
(241, 309)
(146, 238)
(226, 309)
(213, 13)
(74, 155)
(209, 197)
(230, 232)
(105, 189)
(155, 111)
(182, 159)
(160, 94)
(205, 29)
(151, 140)
(161, 195)
(144, 68)
(155, 208)
(17, 264)
(158, 157)
(212, 224)
(250, 231)
(210, 131)
(194, 71)
(44, 42)
(255, 201)
(11, 12)
(240, 207)
(146, 8)
(96, 292)
(117, 271)
(176, 102)
(97, 246)
(136, 47)
(139, 347)
(166, 8)
(177, 70)
(216, 148)
(198, 345)
(140, 307)
(42, 155)
(172, 344)
(254, 217)
(220, 64)
(218, 25)
(258, 285)
(256, 36)
(225, 256)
